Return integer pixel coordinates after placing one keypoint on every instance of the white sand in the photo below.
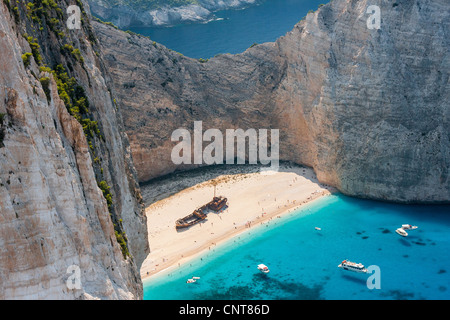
(252, 197)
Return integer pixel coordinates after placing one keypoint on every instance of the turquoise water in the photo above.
(235, 30)
(303, 261)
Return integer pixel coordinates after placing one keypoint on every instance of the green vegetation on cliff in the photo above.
(41, 19)
(77, 103)
(26, 57)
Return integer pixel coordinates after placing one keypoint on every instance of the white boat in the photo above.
(263, 268)
(402, 232)
(196, 278)
(408, 226)
(190, 280)
(317, 228)
(352, 266)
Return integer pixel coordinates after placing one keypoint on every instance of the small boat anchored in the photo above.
(408, 226)
(352, 266)
(401, 231)
(192, 280)
(263, 268)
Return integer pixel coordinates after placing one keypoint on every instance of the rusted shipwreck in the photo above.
(216, 204)
(190, 220)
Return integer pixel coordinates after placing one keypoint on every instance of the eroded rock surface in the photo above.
(368, 109)
(53, 214)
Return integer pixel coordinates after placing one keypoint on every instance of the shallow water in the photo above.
(303, 261)
(234, 30)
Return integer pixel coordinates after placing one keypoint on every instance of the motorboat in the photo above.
(408, 227)
(352, 266)
(263, 268)
(402, 232)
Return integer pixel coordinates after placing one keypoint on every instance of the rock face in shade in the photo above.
(53, 214)
(368, 109)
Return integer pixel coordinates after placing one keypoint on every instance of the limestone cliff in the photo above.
(68, 190)
(368, 109)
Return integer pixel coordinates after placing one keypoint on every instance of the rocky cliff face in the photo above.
(368, 109)
(125, 13)
(69, 200)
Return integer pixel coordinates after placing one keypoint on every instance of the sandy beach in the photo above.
(253, 198)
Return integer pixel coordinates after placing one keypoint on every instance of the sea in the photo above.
(233, 31)
(303, 260)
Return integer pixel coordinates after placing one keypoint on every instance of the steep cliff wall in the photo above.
(68, 193)
(368, 109)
